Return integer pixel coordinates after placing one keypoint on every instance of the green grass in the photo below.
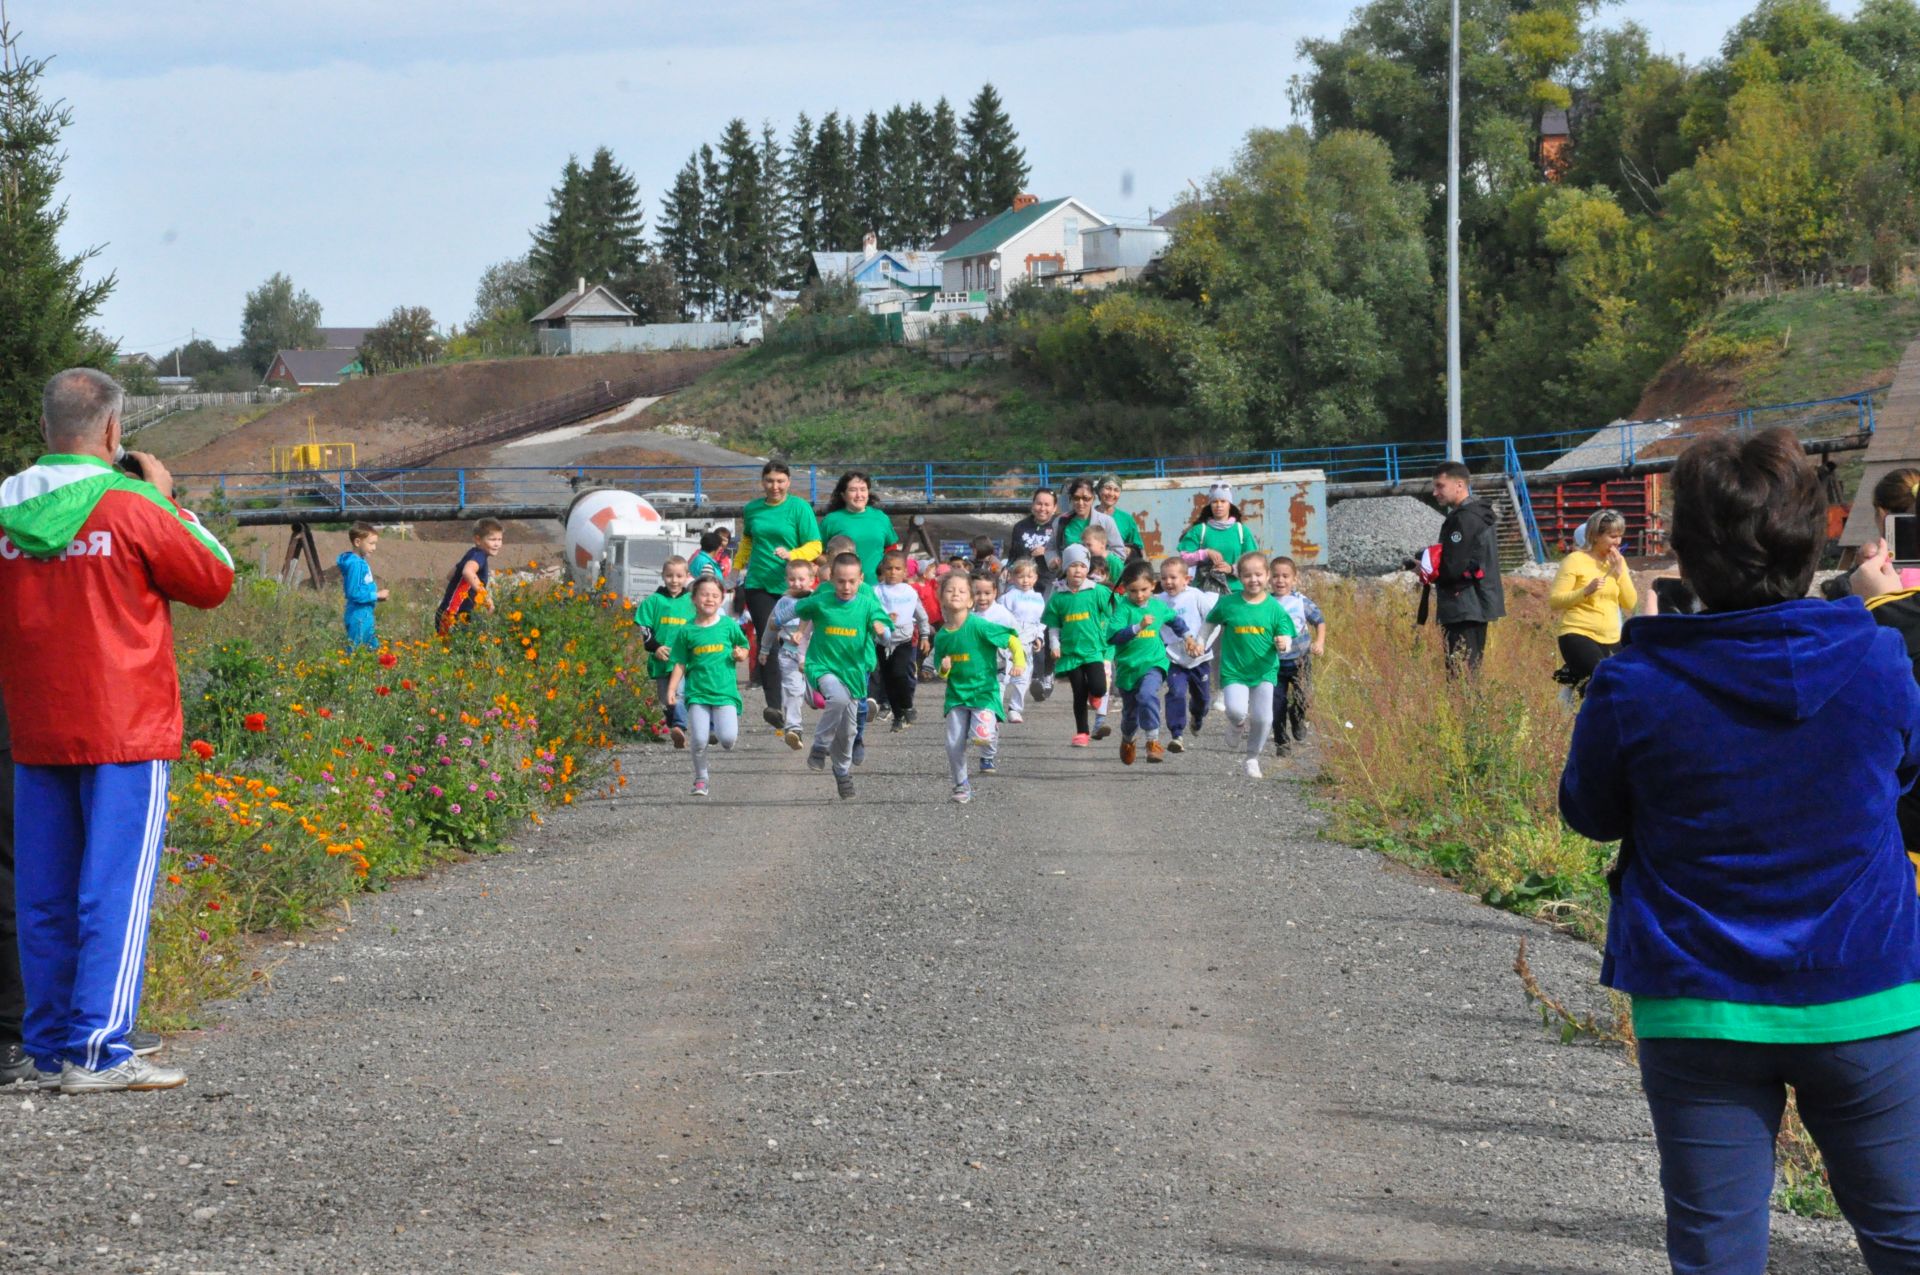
(186, 432)
(892, 404)
(1808, 344)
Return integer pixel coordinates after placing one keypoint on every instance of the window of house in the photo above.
(1071, 232)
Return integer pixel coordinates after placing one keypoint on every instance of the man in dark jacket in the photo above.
(1468, 582)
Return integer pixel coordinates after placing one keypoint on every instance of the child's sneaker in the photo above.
(679, 737)
(135, 1074)
(912, 717)
(1100, 728)
(699, 787)
(1155, 753)
(1219, 705)
(1253, 768)
(1281, 747)
(1040, 691)
(1174, 746)
(792, 736)
(817, 759)
(988, 765)
(1082, 740)
(1016, 718)
(773, 717)
(845, 784)
(1127, 752)
(899, 724)
(859, 752)
(962, 795)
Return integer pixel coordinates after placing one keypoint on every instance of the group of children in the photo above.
(854, 649)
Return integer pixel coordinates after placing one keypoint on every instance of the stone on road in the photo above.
(1103, 1019)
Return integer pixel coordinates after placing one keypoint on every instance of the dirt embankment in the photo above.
(383, 413)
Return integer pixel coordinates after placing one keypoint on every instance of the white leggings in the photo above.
(1252, 707)
(710, 719)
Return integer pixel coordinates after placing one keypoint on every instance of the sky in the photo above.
(385, 152)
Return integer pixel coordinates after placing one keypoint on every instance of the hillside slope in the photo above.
(382, 413)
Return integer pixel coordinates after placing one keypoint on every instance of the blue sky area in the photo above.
(384, 152)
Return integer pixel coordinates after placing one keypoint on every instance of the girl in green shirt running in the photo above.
(1218, 532)
(1140, 668)
(1076, 620)
(704, 654)
(1254, 631)
(967, 650)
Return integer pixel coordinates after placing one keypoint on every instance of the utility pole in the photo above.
(1455, 449)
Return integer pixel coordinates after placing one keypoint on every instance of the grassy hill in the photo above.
(900, 404)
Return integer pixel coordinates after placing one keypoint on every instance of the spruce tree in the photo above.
(803, 196)
(682, 229)
(774, 267)
(996, 166)
(946, 171)
(870, 182)
(833, 173)
(616, 242)
(742, 207)
(711, 264)
(563, 240)
(45, 302)
(903, 172)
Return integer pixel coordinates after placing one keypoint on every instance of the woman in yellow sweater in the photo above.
(1591, 596)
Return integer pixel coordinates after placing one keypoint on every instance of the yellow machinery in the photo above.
(296, 458)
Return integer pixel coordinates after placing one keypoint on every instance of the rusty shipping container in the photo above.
(1286, 511)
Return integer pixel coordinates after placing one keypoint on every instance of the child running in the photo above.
(843, 623)
(1105, 565)
(356, 582)
(782, 643)
(986, 606)
(467, 586)
(1296, 666)
(1076, 620)
(705, 563)
(901, 649)
(967, 650)
(704, 653)
(665, 611)
(1026, 604)
(1254, 630)
(1140, 671)
(1188, 672)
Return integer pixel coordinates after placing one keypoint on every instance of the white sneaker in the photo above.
(1016, 718)
(962, 795)
(135, 1074)
(1219, 704)
(1253, 768)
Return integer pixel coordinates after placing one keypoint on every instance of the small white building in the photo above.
(586, 307)
(1031, 241)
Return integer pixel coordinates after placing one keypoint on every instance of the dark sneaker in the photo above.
(911, 717)
(1281, 747)
(1100, 728)
(817, 759)
(988, 765)
(144, 1043)
(1039, 692)
(49, 1081)
(15, 1064)
(679, 737)
(859, 752)
(845, 785)
(899, 724)
(773, 717)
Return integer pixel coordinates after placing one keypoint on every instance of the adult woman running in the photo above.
(1218, 532)
(1082, 511)
(852, 513)
(773, 529)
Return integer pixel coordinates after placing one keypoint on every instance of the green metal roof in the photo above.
(999, 230)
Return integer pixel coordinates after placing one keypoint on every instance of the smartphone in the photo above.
(1903, 539)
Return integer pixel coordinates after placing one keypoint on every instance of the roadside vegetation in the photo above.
(310, 775)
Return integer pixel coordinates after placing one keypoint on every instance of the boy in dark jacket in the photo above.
(1468, 581)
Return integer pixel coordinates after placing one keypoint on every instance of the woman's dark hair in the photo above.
(776, 467)
(1134, 571)
(1205, 511)
(1074, 487)
(1898, 491)
(838, 500)
(1749, 519)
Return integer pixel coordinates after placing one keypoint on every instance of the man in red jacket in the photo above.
(90, 560)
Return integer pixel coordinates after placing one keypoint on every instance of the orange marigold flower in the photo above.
(173, 878)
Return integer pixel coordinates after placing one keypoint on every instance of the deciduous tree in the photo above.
(277, 317)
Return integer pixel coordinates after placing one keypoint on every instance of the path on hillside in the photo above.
(1101, 1020)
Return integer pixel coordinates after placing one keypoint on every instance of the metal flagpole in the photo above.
(1455, 450)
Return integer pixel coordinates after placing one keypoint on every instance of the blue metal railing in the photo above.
(350, 493)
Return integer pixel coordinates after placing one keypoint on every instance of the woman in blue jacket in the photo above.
(1764, 920)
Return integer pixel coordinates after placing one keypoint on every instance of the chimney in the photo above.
(869, 246)
(1022, 200)
(583, 285)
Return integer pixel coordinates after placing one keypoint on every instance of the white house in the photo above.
(1030, 241)
(586, 307)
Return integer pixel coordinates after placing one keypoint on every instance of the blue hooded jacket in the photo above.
(1750, 763)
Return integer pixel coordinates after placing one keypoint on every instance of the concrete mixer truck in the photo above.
(618, 536)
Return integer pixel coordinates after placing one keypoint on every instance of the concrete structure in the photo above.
(608, 338)
(586, 307)
(1287, 512)
(1029, 242)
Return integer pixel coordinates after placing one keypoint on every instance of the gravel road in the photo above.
(1101, 1020)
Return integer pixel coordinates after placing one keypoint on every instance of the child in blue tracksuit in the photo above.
(1296, 666)
(356, 581)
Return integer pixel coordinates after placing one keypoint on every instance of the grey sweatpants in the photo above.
(1252, 707)
(834, 734)
(793, 684)
(703, 720)
(960, 723)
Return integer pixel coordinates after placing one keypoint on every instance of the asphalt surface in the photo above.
(1100, 1020)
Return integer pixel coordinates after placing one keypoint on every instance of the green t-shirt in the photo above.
(1148, 650)
(1081, 617)
(1247, 630)
(843, 636)
(706, 652)
(1129, 529)
(787, 525)
(1228, 542)
(974, 648)
(1879, 1014)
(665, 615)
(870, 530)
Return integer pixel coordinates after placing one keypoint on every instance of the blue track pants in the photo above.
(88, 854)
(360, 627)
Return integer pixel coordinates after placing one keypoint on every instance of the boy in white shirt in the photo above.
(1026, 603)
(1187, 675)
(909, 639)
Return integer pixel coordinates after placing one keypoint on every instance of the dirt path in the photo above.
(1102, 1020)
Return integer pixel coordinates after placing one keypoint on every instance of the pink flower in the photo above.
(454, 808)
(473, 787)
(435, 791)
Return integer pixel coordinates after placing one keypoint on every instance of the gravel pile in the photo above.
(1373, 537)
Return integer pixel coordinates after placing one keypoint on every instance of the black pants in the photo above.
(1583, 655)
(1466, 644)
(759, 607)
(1290, 706)
(13, 995)
(1089, 683)
(899, 673)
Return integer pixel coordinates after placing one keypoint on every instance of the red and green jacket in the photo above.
(90, 560)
